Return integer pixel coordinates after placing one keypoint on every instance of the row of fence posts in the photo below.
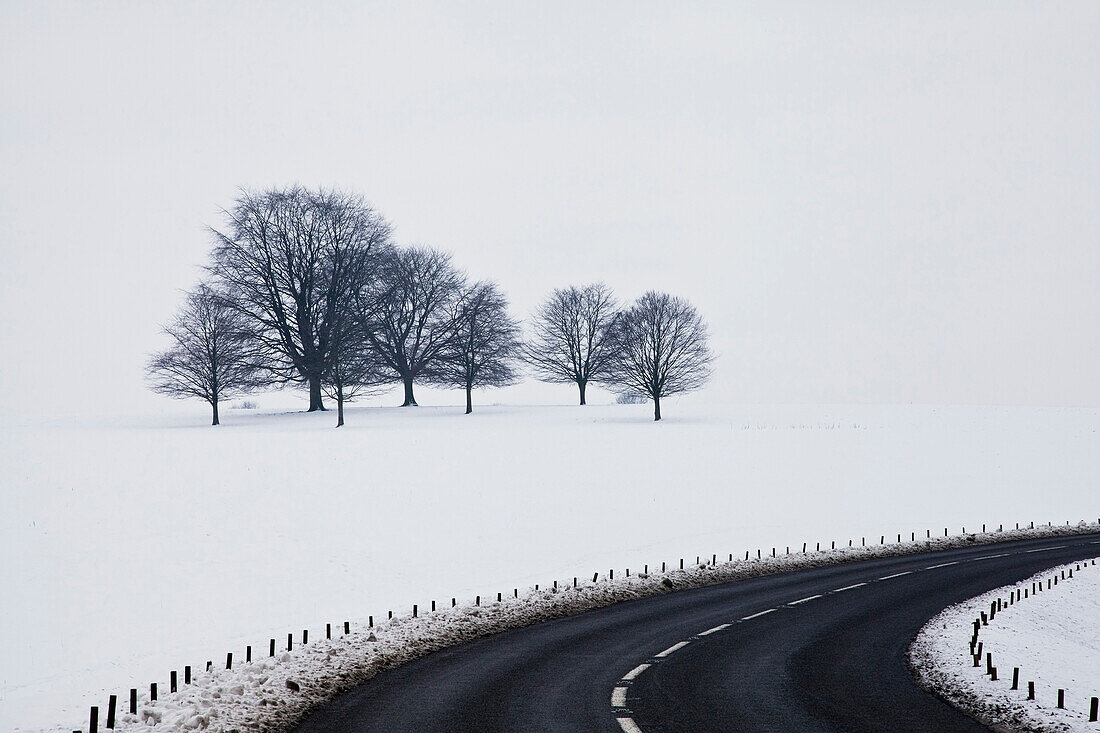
(93, 725)
(998, 605)
(173, 679)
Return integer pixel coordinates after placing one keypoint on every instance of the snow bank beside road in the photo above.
(258, 696)
(1052, 636)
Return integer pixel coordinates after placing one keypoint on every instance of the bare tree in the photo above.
(287, 259)
(485, 344)
(209, 355)
(571, 336)
(660, 346)
(353, 373)
(414, 311)
(354, 368)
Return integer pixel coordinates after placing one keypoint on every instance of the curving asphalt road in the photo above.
(816, 650)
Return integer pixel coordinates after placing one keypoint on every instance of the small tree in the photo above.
(485, 343)
(354, 369)
(412, 313)
(571, 336)
(353, 374)
(209, 355)
(660, 346)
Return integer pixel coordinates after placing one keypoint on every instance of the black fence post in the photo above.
(1015, 678)
(1093, 705)
(152, 690)
(133, 701)
(173, 681)
(111, 703)
(93, 720)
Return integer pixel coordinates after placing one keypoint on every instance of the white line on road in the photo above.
(673, 648)
(629, 726)
(990, 557)
(1047, 549)
(896, 575)
(941, 565)
(636, 671)
(803, 600)
(618, 697)
(711, 631)
(756, 615)
(848, 587)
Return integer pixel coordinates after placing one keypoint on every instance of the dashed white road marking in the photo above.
(896, 575)
(618, 694)
(803, 600)
(674, 648)
(756, 615)
(711, 631)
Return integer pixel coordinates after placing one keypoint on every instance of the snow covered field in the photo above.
(1052, 636)
(136, 548)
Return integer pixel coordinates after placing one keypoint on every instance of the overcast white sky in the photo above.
(869, 202)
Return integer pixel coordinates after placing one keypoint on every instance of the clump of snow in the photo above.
(1051, 636)
(276, 693)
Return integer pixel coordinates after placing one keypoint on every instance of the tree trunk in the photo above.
(315, 394)
(339, 405)
(410, 401)
(214, 405)
(656, 408)
(583, 384)
(469, 399)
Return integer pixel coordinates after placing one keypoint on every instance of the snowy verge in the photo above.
(1046, 626)
(274, 693)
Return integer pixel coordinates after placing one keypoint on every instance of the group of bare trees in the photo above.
(306, 287)
(656, 347)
